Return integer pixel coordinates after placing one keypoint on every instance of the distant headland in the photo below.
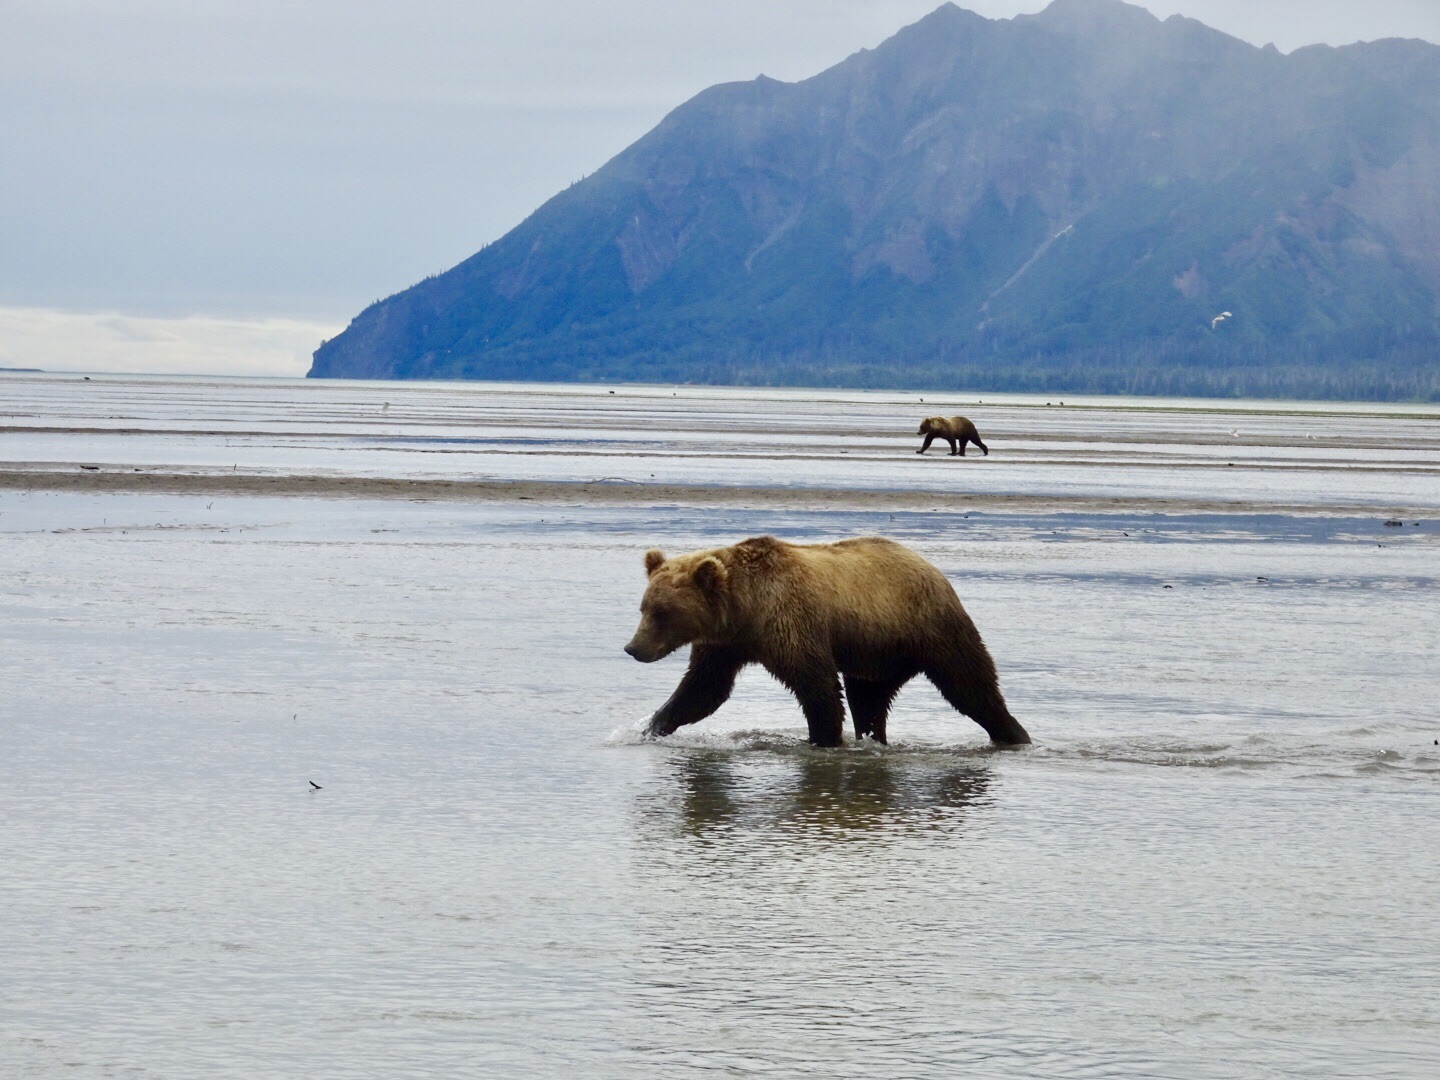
(1087, 199)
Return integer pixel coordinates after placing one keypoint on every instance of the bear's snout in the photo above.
(646, 654)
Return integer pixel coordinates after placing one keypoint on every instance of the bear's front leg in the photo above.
(817, 688)
(706, 686)
(824, 713)
(953, 450)
(929, 438)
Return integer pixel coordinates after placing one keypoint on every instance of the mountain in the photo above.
(1065, 200)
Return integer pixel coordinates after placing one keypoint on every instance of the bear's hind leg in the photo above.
(870, 704)
(953, 448)
(974, 691)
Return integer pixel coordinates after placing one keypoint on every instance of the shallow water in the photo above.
(1217, 861)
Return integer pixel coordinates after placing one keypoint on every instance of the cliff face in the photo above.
(1064, 199)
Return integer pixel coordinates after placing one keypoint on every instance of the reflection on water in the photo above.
(778, 895)
(820, 793)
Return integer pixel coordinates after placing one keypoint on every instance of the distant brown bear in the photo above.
(956, 430)
(866, 609)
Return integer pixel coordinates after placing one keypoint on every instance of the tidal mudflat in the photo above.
(1218, 860)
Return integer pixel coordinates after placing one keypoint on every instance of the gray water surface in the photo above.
(1218, 860)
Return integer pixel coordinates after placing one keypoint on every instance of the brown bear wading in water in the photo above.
(956, 430)
(867, 611)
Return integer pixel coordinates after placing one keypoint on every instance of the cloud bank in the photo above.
(191, 345)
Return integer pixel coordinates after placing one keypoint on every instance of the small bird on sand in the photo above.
(316, 786)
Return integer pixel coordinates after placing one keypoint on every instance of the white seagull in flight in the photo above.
(1218, 319)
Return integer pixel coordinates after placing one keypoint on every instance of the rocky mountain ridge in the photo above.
(1067, 200)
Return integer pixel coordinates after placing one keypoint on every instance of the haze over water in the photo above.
(1217, 860)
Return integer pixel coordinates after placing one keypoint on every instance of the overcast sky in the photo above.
(275, 158)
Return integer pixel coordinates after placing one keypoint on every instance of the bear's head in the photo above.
(931, 423)
(682, 604)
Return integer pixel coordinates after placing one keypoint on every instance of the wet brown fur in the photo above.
(865, 611)
(956, 430)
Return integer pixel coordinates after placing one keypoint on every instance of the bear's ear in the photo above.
(653, 558)
(710, 574)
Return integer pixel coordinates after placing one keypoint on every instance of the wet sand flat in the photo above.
(567, 492)
(701, 446)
